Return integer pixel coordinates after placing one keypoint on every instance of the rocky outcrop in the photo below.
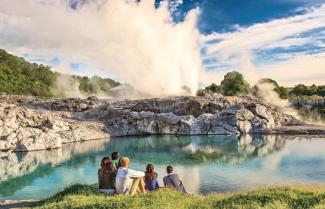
(26, 129)
(33, 124)
(308, 103)
(188, 116)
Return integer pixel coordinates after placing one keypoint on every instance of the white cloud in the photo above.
(136, 42)
(140, 45)
(240, 48)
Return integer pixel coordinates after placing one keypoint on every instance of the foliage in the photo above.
(94, 84)
(234, 84)
(213, 88)
(20, 77)
(303, 90)
(298, 197)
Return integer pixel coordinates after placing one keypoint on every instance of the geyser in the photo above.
(135, 41)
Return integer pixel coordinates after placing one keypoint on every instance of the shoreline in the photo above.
(296, 132)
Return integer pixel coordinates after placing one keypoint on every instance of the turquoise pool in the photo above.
(205, 163)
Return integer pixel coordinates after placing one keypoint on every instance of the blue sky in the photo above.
(281, 39)
(224, 16)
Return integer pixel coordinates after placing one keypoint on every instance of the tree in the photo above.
(300, 90)
(234, 84)
(321, 91)
(313, 90)
(213, 88)
(17, 76)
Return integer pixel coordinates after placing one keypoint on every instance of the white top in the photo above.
(123, 179)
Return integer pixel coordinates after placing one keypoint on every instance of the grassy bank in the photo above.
(82, 196)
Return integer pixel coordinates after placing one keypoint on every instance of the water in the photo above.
(205, 163)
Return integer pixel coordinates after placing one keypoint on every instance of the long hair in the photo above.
(150, 172)
(106, 165)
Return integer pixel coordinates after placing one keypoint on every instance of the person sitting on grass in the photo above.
(128, 181)
(116, 158)
(106, 176)
(151, 178)
(172, 180)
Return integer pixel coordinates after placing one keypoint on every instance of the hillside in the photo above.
(19, 77)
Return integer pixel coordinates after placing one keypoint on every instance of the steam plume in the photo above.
(132, 40)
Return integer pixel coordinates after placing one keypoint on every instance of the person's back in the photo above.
(128, 180)
(106, 180)
(172, 180)
(151, 178)
(106, 176)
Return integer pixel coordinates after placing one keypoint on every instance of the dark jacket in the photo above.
(106, 181)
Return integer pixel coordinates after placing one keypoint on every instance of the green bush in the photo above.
(234, 84)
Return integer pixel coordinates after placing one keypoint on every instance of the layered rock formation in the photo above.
(33, 124)
(188, 116)
(23, 128)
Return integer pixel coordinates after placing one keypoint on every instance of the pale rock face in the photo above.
(31, 124)
(29, 129)
(189, 116)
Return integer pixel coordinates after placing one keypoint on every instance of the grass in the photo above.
(296, 197)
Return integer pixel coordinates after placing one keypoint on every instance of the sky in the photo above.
(198, 40)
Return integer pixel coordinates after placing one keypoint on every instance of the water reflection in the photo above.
(215, 163)
(197, 149)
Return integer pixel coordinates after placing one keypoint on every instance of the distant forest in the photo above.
(234, 83)
(19, 77)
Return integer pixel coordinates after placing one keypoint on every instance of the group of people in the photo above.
(115, 176)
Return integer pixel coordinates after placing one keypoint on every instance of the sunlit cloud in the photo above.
(286, 49)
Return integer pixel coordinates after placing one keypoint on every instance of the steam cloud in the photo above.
(132, 40)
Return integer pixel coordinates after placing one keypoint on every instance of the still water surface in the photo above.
(205, 163)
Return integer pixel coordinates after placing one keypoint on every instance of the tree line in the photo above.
(19, 77)
(234, 84)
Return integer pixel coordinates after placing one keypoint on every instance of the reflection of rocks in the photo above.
(19, 164)
(233, 151)
(261, 145)
(200, 148)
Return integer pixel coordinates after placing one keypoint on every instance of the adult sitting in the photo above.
(172, 180)
(151, 178)
(129, 181)
(106, 176)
